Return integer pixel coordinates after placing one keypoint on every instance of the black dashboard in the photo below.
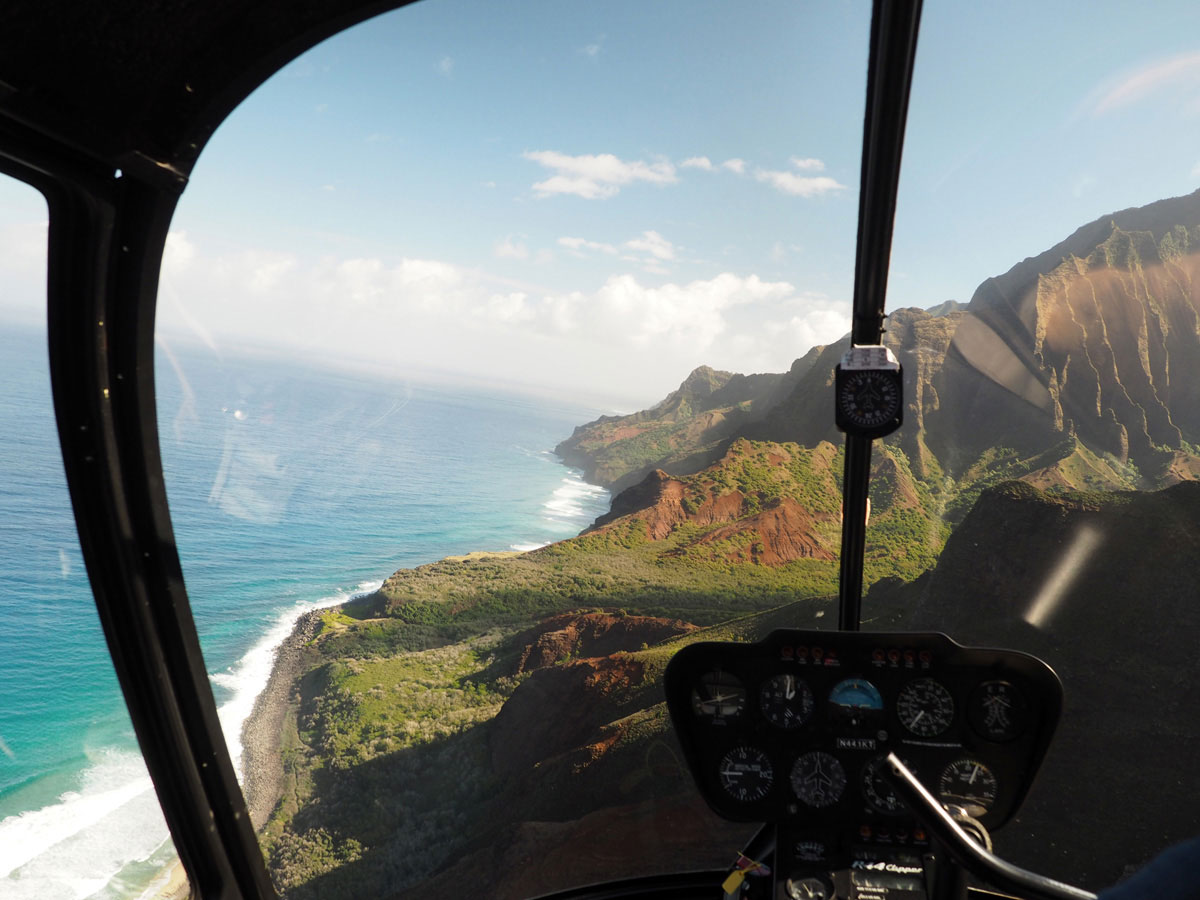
(793, 731)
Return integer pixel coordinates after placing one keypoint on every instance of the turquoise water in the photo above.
(290, 487)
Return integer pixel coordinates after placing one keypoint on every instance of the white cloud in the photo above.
(23, 247)
(267, 269)
(446, 65)
(735, 165)
(653, 243)
(1147, 80)
(822, 323)
(799, 185)
(808, 164)
(178, 253)
(622, 338)
(512, 308)
(510, 249)
(674, 315)
(595, 176)
(697, 162)
(578, 244)
(1196, 170)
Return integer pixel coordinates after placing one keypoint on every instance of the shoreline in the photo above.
(262, 763)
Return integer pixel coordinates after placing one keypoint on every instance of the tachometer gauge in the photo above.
(925, 707)
(969, 784)
(855, 702)
(997, 711)
(746, 774)
(786, 701)
(878, 790)
(818, 779)
(718, 696)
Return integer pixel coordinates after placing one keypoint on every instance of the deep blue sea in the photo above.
(291, 486)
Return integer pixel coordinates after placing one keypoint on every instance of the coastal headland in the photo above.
(479, 711)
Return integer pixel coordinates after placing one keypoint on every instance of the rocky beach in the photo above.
(262, 764)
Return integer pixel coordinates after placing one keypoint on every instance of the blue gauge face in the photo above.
(856, 693)
(856, 706)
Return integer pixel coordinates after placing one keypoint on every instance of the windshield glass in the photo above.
(470, 279)
(78, 813)
(1051, 426)
(404, 274)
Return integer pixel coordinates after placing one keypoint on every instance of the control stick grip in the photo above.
(965, 851)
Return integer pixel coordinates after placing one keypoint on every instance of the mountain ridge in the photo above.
(1071, 349)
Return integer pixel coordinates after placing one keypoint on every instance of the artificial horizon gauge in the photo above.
(746, 774)
(869, 392)
(719, 696)
(925, 707)
(969, 784)
(818, 779)
(785, 700)
(855, 703)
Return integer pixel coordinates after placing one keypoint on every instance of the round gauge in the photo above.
(997, 711)
(869, 398)
(746, 773)
(855, 702)
(878, 790)
(818, 779)
(969, 784)
(786, 700)
(925, 707)
(718, 696)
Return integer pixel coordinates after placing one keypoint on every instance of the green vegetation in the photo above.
(406, 748)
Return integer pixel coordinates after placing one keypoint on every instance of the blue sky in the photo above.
(594, 198)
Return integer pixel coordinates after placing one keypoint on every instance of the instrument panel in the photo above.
(793, 730)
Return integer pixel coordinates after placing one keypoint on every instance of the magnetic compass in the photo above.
(869, 389)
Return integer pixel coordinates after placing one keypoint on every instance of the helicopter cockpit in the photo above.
(763, 657)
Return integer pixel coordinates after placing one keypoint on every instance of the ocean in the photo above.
(291, 487)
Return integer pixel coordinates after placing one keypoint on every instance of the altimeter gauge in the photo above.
(969, 784)
(746, 774)
(785, 700)
(718, 696)
(868, 386)
(818, 779)
(925, 707)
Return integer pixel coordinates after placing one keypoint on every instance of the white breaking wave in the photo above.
(72, 849)
(576, 501)
(248, 677)
(525, 548)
